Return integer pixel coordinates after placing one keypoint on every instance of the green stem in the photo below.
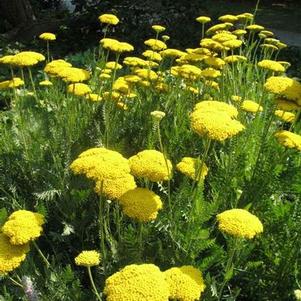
(48, 52)
(15, 282)
(32, 84)
(41, 254)
(93, 284)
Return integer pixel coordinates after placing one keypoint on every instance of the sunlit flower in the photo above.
(251, 106)
(47, 36)
(289, 139)
(191, 168)
(108, 19)
(88, 258)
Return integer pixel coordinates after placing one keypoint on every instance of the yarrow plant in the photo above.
(169, 174)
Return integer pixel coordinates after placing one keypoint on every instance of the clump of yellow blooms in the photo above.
(109, 169)
(239, 223)
(289, 139)
(228, 18)
(152, 55)
(23, 226)
(271, 65)
(191, 168)
(203, 19)
(255, 27)
(45, 83)
(285, 116)
(137, 282)
(141, 204)
(155, 44)
(11, 256)
(115, 45)
(251, 106)
(234, 59)
(27, 58)
(73, 74)
(185, 283)
(47, 36)
(79, 89)
(152, 165)
(215, 120)
(285, 87)
(88, 258)
(13, 83)
(108, 19)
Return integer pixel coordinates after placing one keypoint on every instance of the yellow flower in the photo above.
(236, 98)
(228, 18)
(109, 169)
(218, 27)
(13, 83)
(72, 74)
(27, 58)
(141, 204)
(152, 165)
(54, 66)
(116, 46)
(224, 36)
(267, 33)
(88, 258)
(297, 294)
(269, 47)
(285, 87)
(191, 168)
(158, 28)
(23, 226)
(47, 36)
(255, 27)
(234, 59)
(185, 283)
(232, 44)
(285, 116)
(137, 282)
(79, 89)
(212, 45)
(121, 85)
(11, 256)
(214, 124)
(104, 76)
(170, 52)
(245, 16)
(203, 19)
(271, 65)
(147, 74)
(289, 139)
(157, 115)
(112, 66)
(45, 83)
(239, 32)
(239, 223)
(212, 84)
(165, 38)
(108, 19)
(134, 61)
(7, 59)
(215, 62)
(156, 45)
(93, 97)
(152, 55)
(285, 64)
(251, 106)
(211, 73)
(213, 106)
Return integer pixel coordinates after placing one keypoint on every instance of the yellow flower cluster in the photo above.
(13, 83)
(11, 256)
(24, 59)
(47, 36)
(109, 169)
(137, 282)
(141, 204)
(239, 223)
(108, 19)
(152, 165)
(215, 120)
(289, 139)
(155, 44)
(23, 226)
(185, 283)
(158, 28)
(271, 65)
(115, 45)
(284, 86)
(285, 116)
(79, 89)
(191, 168)
(88, 258)
(251, 106)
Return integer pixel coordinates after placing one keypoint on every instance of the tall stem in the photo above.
(93, 284)
(41, 254)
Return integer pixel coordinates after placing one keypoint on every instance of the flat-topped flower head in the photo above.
(23, 226)
(271, 65)
(185, 283)
(45, 83)
(27, 58)
(155, 44)
(79, 89)
(47, 36)
(213, 105)
(285, 116)
(203, 19)
(151, 164)
(158, 28)
(251, 106)
(137, 282)
(158, 115)
(289, 139)
(141, 204)
(11, 256)
(108, 19)
(239, 223)
(228, 18)
(191, 167)
(88, 258)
